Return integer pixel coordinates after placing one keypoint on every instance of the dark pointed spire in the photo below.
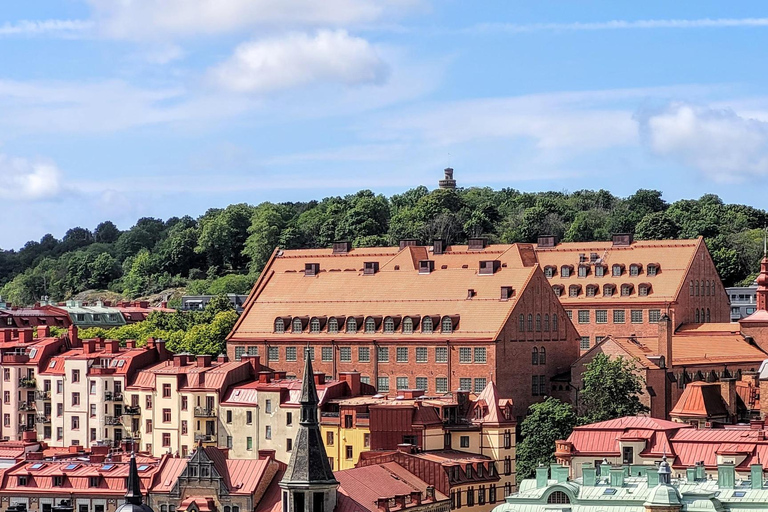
(133, 494)
(308, 388)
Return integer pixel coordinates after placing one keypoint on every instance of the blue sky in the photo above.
(122, 109)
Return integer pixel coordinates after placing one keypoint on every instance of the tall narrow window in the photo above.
(535, 356)
(389, 325)
(370, 325)
(546, 322)
(297, 325)
(333, 326)
(447, 326)
(426, 325)
(408, 325)
(314, 325)
(542, 355)
(538, 322)
(351, 325)
(279, 326)
(530, 322)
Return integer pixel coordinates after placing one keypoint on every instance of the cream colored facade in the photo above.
(240, 431)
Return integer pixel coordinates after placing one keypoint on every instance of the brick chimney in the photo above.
(5, 334)
(74, 339)
(665, 339)
(430, 494)
(254, 361)
(43, 331)
(179, 360)
(416, 497)
(400, 500)
(113, 346)
(89, 346)
(319, 378)
(382, 504)
(728, 391)
(130, 344)
(203, 361)
(265, 377)
(265, 454)
(25, 335)
(353, 382)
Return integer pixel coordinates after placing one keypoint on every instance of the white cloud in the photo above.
(299, 59)
(718, 142)
(619, 25)
(164, 54)
(138, 19)
(64, 28)
(25, 180)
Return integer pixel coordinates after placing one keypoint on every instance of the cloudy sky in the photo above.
(118, 109)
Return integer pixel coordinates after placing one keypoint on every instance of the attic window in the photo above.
(574, 290)
(370, 324)
(634, 269)
(426, 266)
(477, 244)
(591, 290)
(617, 270)
(351, 325)
(558, 290)
(643, 289)
(370, 268)
(549, 271)
(314, 325)
(407, 325)
(279, 326)
(311, 269)
(506, 292)
(426, 325)
(489, 267)
(608, 290)
(447, 325)
(565, 271)
(652, 269)
(389, 325)
(599, 270)
(626, 290)
(333, 326)
(583, 270)
(297, 327)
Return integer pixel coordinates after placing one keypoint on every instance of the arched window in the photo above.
(279, 326)
(389, 325)
(314, 325)
(447, 326)
(351, 325)
(542, 355)
(370, 324)
(690, 288)
(697, 288)
(538, 322)
(708, 317)
(616, 270)
(546, 322)
(535, 356)
(554, 322)
(558, 498)
(697, 316)
(333, 326)
(522, 324)
(163, 508)
(227, 508)
(297, 327)
(702, 315)
(407, 325)
(530, 322)
(426, 324)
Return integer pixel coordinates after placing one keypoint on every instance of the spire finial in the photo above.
(133, 494)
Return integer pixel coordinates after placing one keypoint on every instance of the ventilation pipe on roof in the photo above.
(756, 476)
(542, 476)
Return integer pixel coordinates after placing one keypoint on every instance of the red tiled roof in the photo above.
(247, 393)
(701, 400)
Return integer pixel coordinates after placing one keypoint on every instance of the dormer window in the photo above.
(426, 325)
(583, 270)
(370, 324)
(333, 326)
(351, 325)
(634, 269)
(608, 290)
(407, 325)
(447, 325)
(643, 289)
(626, 290)
(549, 272)
(314, 325)
(558, 290)
(279, 326)
(652, 269)
(574, 290)
(297, 327)
(591, 290)
(565, 271)
(617, 270)
(389, 325)
(599, 270)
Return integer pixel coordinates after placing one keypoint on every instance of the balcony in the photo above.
(203, 412)
(113, 397)
(132, 410)
(27, 383)
(113, 420)
(330, 418)
(206, 438)
(362, 419)
(27, 406)
(43, 418)
(42, 395)
(15, 358)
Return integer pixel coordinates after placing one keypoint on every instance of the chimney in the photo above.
(254, 361)
(279, 375)
(400, 500)
(179, 360)
(353, 382)
(489, 267)
(617, 476)
(545, 241)
(151, 343)
(74, 339)
(407, 242)
(43, 331)
(29, 436)
(405, 448)
(265, 454)
(756, 476)
(112, 346)
(5, 334)
(311, 269)
(477, 244)
(25, 335)
(726, 476)
(370, 268)
(542, 476)
(222, 358)
(203, 361)
(319, 378)
(430, 494)
(382, 504)
(507, 292)
(589, 474)
(728, 391)
(438, 246)
(265, 377)
(89, 346)
(342, 247)
(622, 239)
(416, 497)
(665, 339)
(130, 344)
(426, 266)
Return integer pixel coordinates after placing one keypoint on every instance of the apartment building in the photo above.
(622, 287)
(40, 315)
(174, 404)
(80, 391)
(436, 318)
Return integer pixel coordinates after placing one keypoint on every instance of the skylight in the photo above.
(143, 467)
(33, 352)
(610, 491)
(107, 467)
(739, 494)
(53, 363)
(38, 465)
(70, 467)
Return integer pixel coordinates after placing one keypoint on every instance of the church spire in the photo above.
(133, 494)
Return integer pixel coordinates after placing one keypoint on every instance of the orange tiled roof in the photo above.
(672, 256)
(700, 400)
(340, 289)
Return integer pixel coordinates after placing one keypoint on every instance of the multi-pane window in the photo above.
(617, 270)
(535, 355)
(583, 270)
(573, 290)
(601, 316)
(583, 316)
(389, 325)
(441, 354)
(333, 326)
(591, 291)
(421, 354)
(408, 325)
(441, 384)
(465, 355)
(480, 355)
(480, 383)
(383, 384)
(314, 325)
(565, 271)
(297, 327)
(422, 383)
(351, 325)
(636, 316)
(383, 354)
(535, 385)
(546, 322)
(642, 290)
(538, 322)
(598, 339)
(279, 326)
(402, 354)
(402, 383)
(634, 270)
(290, 353)
(253, 351)
(239, 351)
(273, 353)
(651, 270)
(654, 315)
(569, 313)
(530, 322)
(465, 384)
(558, 290)
(626, 289)
(542, 355)
(608, 290)
(554, 322)
(549, 272)
(364, 354)
(599, 270)
(426, 325)
(370, 325)
(542, 385)
(618, 316)
(327, 354)
(345, 354)
(365, 379)
(584, 344)
(447, 325)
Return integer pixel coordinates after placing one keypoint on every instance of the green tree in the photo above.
(223, 235)
(547, 422)
(611, 389)
(106, 232)
(103, 270)
(264, 233)
(656, 226)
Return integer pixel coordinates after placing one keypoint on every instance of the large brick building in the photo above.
(623, 287)
(435, 318)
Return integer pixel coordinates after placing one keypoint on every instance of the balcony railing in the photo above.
(42, 395)
(43, 418)
(113, 420)
(204, 412)
(15, 358)
(330, 418)
(109, 396)
(206, 438)
(27, 406)
(27, 383)
(132, 410)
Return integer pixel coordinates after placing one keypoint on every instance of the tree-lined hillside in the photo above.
(224, 249)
